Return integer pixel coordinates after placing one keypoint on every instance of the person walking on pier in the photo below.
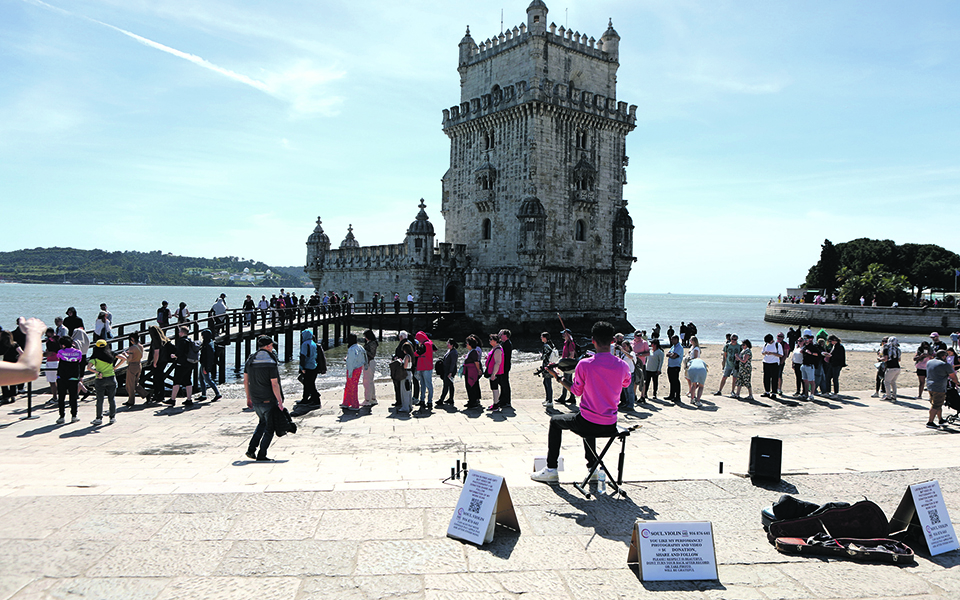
(208, 365)
(134, 357)
(183, 369)
(219, 313)
(370, 346)
(356, 358)
(261, 385)
(248, 308)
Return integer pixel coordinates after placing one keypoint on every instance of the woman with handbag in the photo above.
(448, 366)
(472, 370)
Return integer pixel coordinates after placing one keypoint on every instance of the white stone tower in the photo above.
(535, 185)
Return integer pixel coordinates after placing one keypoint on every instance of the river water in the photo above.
(713, 315)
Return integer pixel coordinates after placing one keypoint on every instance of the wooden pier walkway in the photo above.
(240, 328)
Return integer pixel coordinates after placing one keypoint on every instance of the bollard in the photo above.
(29, 403)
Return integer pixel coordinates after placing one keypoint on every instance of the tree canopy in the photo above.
(882, 269)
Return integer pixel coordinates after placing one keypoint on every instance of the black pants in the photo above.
(649, 376)
(310, 393)
(563, 393)
(835, 378)
(447, 388)
(473, 393)
(673, 376)
(580, 426)
(263, 435)
(771, 373)
(505, 396)
(71, 386)
(796, 371)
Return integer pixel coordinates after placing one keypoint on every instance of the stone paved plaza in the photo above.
(164, 505)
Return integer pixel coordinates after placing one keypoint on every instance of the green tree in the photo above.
(875, 282)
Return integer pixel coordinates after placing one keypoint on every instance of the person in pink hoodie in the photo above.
(598, 381)
(424, 371)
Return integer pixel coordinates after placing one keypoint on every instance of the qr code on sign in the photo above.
(934, 516)
(474, 506)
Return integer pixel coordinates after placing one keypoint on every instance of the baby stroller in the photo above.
(952, 400)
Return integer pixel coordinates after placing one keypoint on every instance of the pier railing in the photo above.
(329, 323)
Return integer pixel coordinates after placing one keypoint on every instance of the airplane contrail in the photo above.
(197, 60)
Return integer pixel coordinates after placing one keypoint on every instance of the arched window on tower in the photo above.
(581, 139)
(486, 230)
(488, 140)
(580, 233)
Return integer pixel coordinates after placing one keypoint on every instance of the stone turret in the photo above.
(611, 42)
(350, 241)
(420, 236)
(318, 244)
(537, 17)
(467, 47)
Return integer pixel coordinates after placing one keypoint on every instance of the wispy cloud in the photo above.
(300, 85)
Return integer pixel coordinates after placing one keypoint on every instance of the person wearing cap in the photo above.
(261, 385)
(104, 364)
(730, 351)
(569, 351)
(939, 371)
(163, 314)
(936, 344)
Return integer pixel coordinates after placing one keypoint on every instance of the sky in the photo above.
(225, 127)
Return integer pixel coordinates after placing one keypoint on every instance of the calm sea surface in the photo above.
(714, 316)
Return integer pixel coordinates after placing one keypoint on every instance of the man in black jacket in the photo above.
(261, 383)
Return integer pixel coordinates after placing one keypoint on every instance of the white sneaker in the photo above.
(548, 403)
(60, 421)
(546, 475)
(74, 419)
(874, 395)
(96, 422)
(112, 420)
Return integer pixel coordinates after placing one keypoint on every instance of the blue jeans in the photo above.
(206, 380)
(425, 378)
(265, 428)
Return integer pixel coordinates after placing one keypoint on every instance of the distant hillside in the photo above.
(60, 265)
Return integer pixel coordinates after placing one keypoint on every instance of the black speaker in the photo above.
(765, 456)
